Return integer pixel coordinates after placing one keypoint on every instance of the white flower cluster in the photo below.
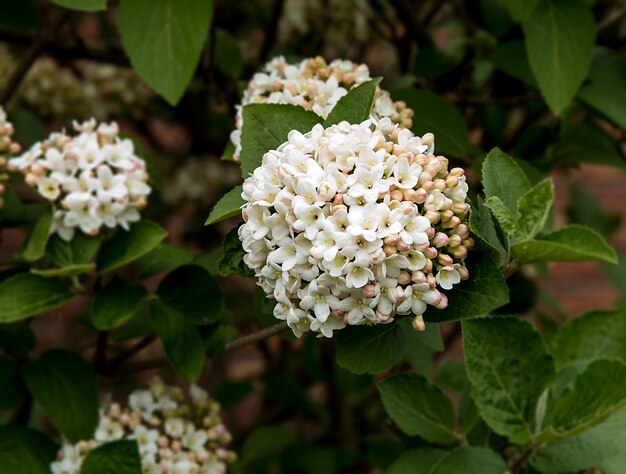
(173, 435)
(7, 149)
(314, 85)
(93, 179)
(354, 224)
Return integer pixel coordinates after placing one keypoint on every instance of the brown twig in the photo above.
(256, 336)
(520, 460)
(610, 20)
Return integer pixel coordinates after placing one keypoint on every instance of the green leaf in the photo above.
(436, 115)
(17, 339)
(418, 407)
(504, 178)
(574, 243)
(520, 9)
(163, 258)
(587, 143)
(12, 391)
(119, 457)
(370, 349)
(606, 99)
(355, 106)
(484, 291)
(25, 451)
(265, 442)
(600, 334)
(127, 246)
(181, 340)
(68, 271)
(559, 41)
(116, 303)
(463, 460)
(588, 449)
(596, 394)
(66, 387)
(430, 337)
(585, 209)
(83, 5)
(266, 126)
(192, 291)
(80, 250)
(534, 207)
(164, 40)
(511, 58)
(25, 295)
(38, 237)
(505, 217)
(228, 206)
(232, 260)
(218, 336)
(227, 55)
(509, 369)
(481, 224)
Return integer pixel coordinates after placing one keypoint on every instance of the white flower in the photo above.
(146, 440)
(327, 327)
(447, 277)
(143, 403)
(175, 427)
(405, 175)
(195, 439)
(319, 299)
(417, 297)
(108, 430)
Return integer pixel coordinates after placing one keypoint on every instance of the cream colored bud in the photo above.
(403, 247)
(428, 186)
(338, 198)
(454, 240)
(462, 230)
(452, 223)
(452, 181)
(430, 252)
(31, 179)
(418, 323)
(440, 240)
(446, 215)
(397, 195)
(428, 266)
(459, 252)
(369, 291)
(392, 239)
(463, 272)
(418, 277)
(420, 196)
(338, 207)
(383, 318)
(404, 278)
(458, 172)
(460, 208)
(397, 294)
(390, 250)
(469, 243)
(431, 280)
(432, 216)
(410, 195)
(440, 184)
(445, 259)
(428, 139)
(425, 177)
(443, 304)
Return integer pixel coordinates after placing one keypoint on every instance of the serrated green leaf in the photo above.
(38, 237)
(370, 349)
(66, 387)
(83, 5)
(534, 207)
(119, 457)
(559, 41)
(481, 224)
(504, 178)
(505, 217)
(176, 29)
(115, 304)
(25, 451)
(163, 258)
(484, 291)
(509, 369)
(266, 126)
(26, 295)
(574, 243)
(436, 115)
(181, 340)
(127, 246)
(418, 407)
(228, 206)
(596, 394)
(463, 460)
(355, 106)
(192, 291)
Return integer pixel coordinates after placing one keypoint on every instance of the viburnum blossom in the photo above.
(173, 434)
(7, 149)
(92, 180)
(317, 86)
(355, 224)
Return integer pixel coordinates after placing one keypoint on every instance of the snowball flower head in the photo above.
(355, 224)
(93, 179)
(317, 86)
(174, 433)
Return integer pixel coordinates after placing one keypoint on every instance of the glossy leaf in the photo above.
(232, 260)
(587, 143)
(264, 442)
(463, 460)
(38, 237)
(25, 451)
(228, 206)
(119, 457)
(511, 58)
(227, 54)
(115, 304)
(355, 106)
(163, 258)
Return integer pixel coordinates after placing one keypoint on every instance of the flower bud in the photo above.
(392, 239)
(459, 252)
(440, 240)
(397, 195)
(369, 291)
(428, 139)
(390, 250)
(383, 318)
(397, 294)
(418, 277)
(454, 240)
(445, 260)
(430, 252)
(443, 304)
(404, 278)
(418, 323)
(432, 216)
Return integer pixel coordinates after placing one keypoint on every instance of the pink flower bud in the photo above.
(404, 278)
(430, 279)
(369, 291)
(430, 252)
(397, 294)
(420, 196)
(459, 252)
(463, 272)
(440, 240)
(390, 250)
(383, 318)
(418, 277)
(445, 260)
(443, 304)
(392, 239)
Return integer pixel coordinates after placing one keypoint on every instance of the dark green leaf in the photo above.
(463, 460)
(370, 349)
(66, 387)
(484, 291)
(68, 271)
(418, 407)
(228, 206)
(26, 295)
(176, 30)
(180, 338)
(264, 442)
(559, 42)
(509, 369)
(355, 106)
(83, 5)
(115, 304)
(506, 218)
(127, 246)
(430, 337)
(119, 457)
(504, 178)
(265, 127)
(38, 237)
(520, 9)
(227, 54)
(81, 250)
(417, 461)
(511, 58)
(534, 207)
(217, 337)
(607, 99)
(12, 387)
(25, 451)
(434, 114)
(586, 143)
(192, 291)
(164, 258)
(17, 338)
(232, 260)
(574, 243)
(481, 224)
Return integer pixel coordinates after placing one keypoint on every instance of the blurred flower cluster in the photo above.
(354, 224)
(93, 179)
(173, 434)
(314, 85)
(7, 149)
